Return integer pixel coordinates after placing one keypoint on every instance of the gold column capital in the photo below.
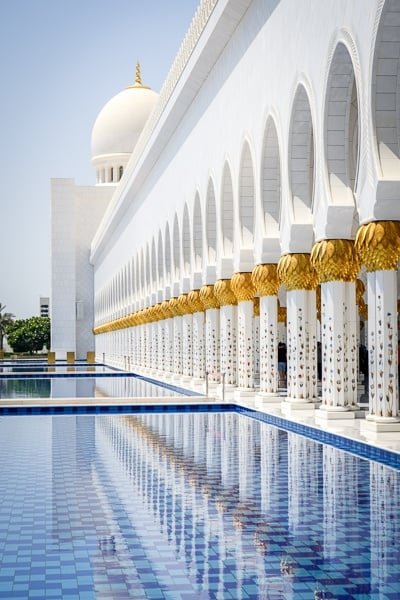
(183, 305)
(265, 279)
(208, 297)
(242, 286)
(224, 293)
(195, 302)
(335, 260)
(362, 306)
(378, 245)
(166, 310)
(296, 272)
(174, 307)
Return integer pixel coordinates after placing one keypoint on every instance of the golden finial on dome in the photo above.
(138, 78)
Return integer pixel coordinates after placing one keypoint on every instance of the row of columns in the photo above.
(213, 329)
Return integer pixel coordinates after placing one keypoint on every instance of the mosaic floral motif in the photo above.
(245, 345)
(187, 347)
(212, 343)
(228, 344)
(178, 363)
(198, 345)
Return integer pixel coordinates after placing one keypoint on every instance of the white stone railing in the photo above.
(196, 27)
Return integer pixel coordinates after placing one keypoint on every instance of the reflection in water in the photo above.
(202, 505)
(82, 387)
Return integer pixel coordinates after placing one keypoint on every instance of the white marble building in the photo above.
(268, 169)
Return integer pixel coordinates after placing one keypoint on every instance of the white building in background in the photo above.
(264, 180)
(44, 306)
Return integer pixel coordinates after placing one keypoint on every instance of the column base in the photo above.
(377, 429)
(269, 396)
(335, 413)
(240, 393)
(292, 407)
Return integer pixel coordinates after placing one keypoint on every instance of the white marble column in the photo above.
(178, 365)
(268, 345)
(212, 349)
(339, 346)
(212, 344)
(196, 308)
(378, 245)
(187, 346)
(154, 346)
(298, 275)
(301, 346)
(228, 317)
(256, 337)
(228, 329)
(244, 290)
(161, 346)
(198, 347)
(245, 346)
(382, 345)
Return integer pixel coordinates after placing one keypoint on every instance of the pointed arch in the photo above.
(186, 241)
(301, 156)
(227, 214)
(148, 268)
(211, 223)
(176, 248)
(167, 254)
(153, 265)
(386, 90)
(160, 261)
(197, 234)
(246, 197)
(271, 180)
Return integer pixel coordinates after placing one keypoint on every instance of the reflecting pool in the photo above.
(188, 506)
(85, 387)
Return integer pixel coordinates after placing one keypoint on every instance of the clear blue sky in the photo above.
(61, 61)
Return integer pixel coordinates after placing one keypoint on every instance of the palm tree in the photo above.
(5, 321)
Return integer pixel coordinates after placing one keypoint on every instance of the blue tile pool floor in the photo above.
(190, 506)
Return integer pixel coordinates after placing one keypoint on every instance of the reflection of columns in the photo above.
(296, 273)
(269, 469)
(266, 282)
(243, 289)
(385, 529)
(303, 500)
(378, 245)
(227, 301)
(340, 496)
(337, 266)
(211, 305)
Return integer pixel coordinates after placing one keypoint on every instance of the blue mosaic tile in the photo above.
(173, 502)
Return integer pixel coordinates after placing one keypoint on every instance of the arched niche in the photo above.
(301, 157)
(227, 214)
(246, 198)
(160, 261)
(211, 224)
(271, 180)
(176, 249)
(186, 241)
(167, 254)
(197, 234)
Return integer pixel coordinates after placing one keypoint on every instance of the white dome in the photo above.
(120, 122)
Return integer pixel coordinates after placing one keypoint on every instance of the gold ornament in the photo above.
(208, 297)
(242, 286)
(256, 303)
(174, 306)
(166, 309)
(378, 245)
(224, 293)
(335, 260)
(362, 307)
(265, 279)
(194, 301)
(296, 272)
(183, 305)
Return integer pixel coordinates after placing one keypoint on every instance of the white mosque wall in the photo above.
(260, 162)
(76, 213)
